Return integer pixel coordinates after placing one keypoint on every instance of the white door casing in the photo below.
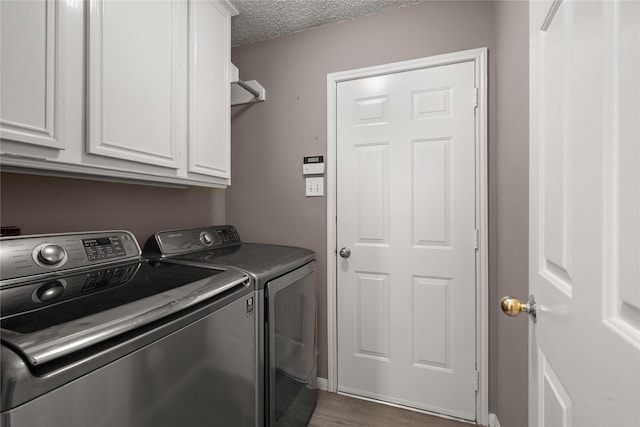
(584, 349)
(409, 153)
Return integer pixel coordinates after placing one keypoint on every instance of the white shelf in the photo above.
(244, 92)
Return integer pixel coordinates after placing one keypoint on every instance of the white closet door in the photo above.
(406, 211)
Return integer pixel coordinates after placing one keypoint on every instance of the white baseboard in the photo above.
(493, 420)
(323, 384)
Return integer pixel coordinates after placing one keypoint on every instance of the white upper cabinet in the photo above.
(209, 88)
(135, 80)
(31, 85)
(125, 90)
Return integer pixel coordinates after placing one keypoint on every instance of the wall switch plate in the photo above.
(314, 186)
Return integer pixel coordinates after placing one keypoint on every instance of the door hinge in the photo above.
(475, 97)
(476, 380)
(475, 238)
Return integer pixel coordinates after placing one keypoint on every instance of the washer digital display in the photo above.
(103, 248)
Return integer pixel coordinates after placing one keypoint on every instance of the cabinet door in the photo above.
(209, 92)
(136, 52)
(31, 83)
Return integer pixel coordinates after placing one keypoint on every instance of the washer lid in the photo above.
(45, 320)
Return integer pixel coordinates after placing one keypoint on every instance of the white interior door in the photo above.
(584, 366)
(406, 211)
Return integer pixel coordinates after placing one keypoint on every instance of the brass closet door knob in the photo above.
(512, 306)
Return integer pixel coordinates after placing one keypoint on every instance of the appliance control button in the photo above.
(50, 291)
(206, 238)
(51, 254)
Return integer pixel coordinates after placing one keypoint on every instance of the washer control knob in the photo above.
(206, 238)
(51, 254)
(50, 291)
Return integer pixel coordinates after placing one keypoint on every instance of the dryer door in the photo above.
(291, 347)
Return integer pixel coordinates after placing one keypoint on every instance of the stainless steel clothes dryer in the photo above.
(95, 335)
(285, 287)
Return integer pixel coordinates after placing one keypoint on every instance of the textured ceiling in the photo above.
(266, 19)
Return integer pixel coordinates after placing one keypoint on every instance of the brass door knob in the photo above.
(512, 306)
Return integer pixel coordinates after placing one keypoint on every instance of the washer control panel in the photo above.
(24, 256)
(195, 239)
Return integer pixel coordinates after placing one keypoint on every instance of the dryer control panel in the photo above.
(195, 239)
(26, 256)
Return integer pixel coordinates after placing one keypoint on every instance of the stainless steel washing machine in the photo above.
(285, 287)
(95, 335)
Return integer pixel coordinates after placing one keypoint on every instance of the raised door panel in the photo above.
(372, 208)
(431, 182)
(209, 91)
(31, 83)
(432, 305)
(135, 81)
(372, 321)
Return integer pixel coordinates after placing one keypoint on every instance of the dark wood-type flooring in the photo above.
(334, 410)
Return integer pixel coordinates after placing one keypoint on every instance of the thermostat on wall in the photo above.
(313, 165)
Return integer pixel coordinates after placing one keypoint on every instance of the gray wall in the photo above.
(41, 204)
(267, 202)
(510, 186)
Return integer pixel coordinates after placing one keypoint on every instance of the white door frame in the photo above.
(479, 57)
